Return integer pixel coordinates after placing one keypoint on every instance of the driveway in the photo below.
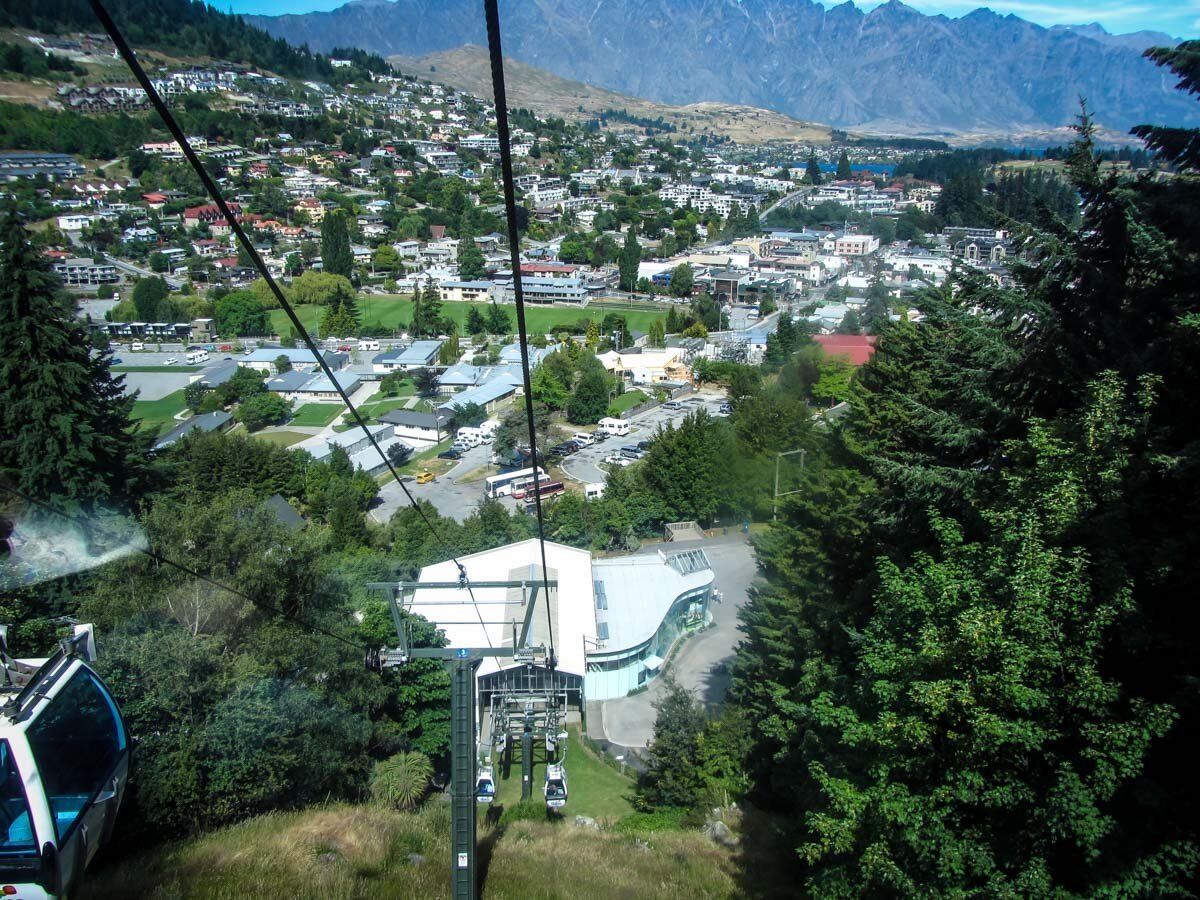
(629, 721)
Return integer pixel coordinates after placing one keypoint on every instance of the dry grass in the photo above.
(345, 851)
(333, 851)
(536, 860)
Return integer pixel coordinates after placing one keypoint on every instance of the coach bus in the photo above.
(502, 485)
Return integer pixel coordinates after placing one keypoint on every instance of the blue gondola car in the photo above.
(64, 760)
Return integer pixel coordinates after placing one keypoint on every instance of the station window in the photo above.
(77, 742)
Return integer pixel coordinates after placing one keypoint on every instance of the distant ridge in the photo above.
(468, 69)
(892, 69)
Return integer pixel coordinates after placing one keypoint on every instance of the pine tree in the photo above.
(672, 326)
(812, 173)
(336, 256)
(431, 309)
(470, 259)
(844, 172)
(630, 259)
(68, 438)
(416, 328)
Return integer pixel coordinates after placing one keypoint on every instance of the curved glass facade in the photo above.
(614, 673)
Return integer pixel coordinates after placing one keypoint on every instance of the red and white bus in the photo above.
(544, 490)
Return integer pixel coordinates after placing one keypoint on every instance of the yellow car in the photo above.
(425, 477)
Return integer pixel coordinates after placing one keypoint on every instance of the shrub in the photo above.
(402, 780)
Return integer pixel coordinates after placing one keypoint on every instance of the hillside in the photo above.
(467, 68)
(342, 851)
(892, 69)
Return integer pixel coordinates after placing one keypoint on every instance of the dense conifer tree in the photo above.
(67, 435)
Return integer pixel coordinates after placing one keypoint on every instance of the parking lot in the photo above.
(585, 465)
(456, 494)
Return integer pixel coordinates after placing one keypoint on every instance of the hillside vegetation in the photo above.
(342, 851)
(467, 69)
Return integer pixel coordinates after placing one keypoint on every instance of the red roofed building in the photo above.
(857, 348)
(195, 216)
(551, 270)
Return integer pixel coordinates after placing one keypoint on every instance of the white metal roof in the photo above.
(638, 591)
(572, 604)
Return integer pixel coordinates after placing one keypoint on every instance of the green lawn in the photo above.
(159, 415)
(626, 401)
(395, 312)
(282, 438)
(317, 414)
(593, 789)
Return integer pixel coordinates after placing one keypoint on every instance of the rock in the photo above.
(721, 834)
(587, 822)
(416, 859)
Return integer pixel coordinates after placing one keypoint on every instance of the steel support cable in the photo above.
(87, 526)
(492, 13)
(214, 191)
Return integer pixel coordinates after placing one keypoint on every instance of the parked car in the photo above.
(225, 347)
(344, 348)
(615, 460)
(426, 477)
(644, 445)
(672, 404)
(170, 361)
(450, 454)
(726, 408)
(601, 436)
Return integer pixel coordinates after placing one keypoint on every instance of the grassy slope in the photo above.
(159, 415)
(393, 312)
(627, 400)
(316, 414)
(282, 438)
(343, 851)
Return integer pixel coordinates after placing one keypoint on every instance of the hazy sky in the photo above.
(1180, 18)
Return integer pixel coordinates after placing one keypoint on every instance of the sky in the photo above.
(1179, 18)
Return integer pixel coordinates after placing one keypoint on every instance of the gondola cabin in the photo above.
(556, 787)
(485, 787)
(64, 760)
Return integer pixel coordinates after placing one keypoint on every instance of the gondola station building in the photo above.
(615, 620)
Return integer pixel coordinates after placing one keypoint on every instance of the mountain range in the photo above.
(891, 70)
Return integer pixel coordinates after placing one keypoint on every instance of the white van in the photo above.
(583, 438)
(610, 425)
(469, 437)
(368, 345)
(137, 345)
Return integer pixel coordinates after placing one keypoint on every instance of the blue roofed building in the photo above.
(207, 423)
(489, 395)
(299, 358)
(417, 355)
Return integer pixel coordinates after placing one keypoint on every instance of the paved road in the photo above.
(784, 202)
(130, 269)
(629, 721)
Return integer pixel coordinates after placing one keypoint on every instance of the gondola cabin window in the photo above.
(77, 741)
(16, 827)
